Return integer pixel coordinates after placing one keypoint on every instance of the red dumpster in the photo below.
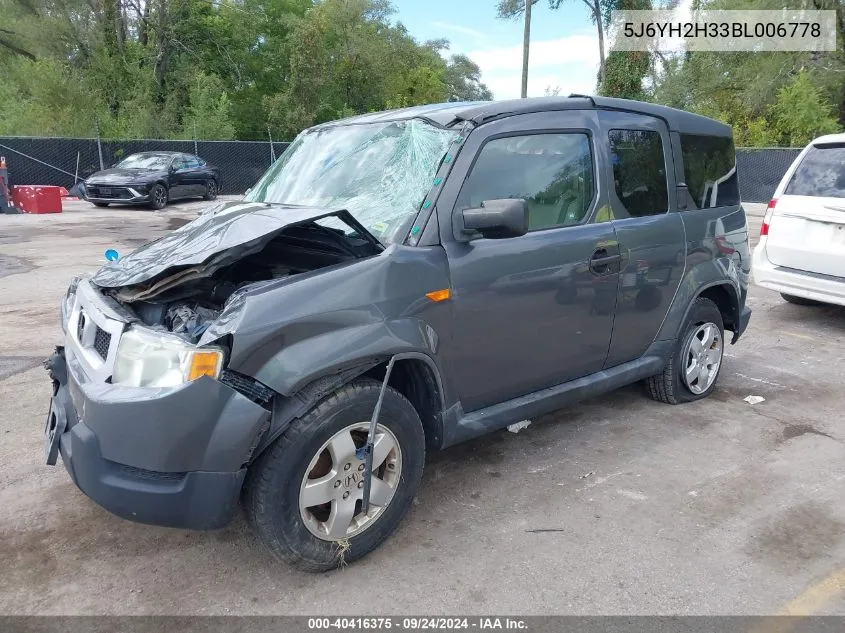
(37, 198)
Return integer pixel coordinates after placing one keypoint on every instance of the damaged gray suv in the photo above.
(397, 283)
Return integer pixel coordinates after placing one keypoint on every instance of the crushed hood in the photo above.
(218, 237)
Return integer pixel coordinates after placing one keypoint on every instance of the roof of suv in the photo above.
(447, 114)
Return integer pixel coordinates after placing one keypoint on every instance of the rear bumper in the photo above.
(823, 288)
(176, 458)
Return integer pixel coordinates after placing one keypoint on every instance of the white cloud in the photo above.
(457, 28)
(569, 62)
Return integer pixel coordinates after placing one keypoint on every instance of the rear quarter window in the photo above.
(710, 171)
(821, 173)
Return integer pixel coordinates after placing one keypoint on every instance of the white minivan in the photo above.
(801, 253)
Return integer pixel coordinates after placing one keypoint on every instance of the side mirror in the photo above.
(172, 169)
(494, 219)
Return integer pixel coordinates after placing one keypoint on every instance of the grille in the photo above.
(80, 327)
(102, 340)
(150, 475)
(119, 193)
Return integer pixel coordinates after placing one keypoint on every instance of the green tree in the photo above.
(801, 113)
(217, 69)
(208, 113)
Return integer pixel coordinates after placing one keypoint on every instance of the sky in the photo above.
(564, 44)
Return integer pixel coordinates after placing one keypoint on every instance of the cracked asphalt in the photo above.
(619, 505)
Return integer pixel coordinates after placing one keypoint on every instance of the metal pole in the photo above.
(196, 153)
(99, 146)
(272, 149)
(76, 173)
(526, 41)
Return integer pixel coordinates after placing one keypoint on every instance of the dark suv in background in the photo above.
(396, 283)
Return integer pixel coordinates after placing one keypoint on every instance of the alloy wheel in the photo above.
(332, 490)
(702, 358)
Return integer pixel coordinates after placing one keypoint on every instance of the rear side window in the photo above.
(710, 166)
(820, 173)
(553, 173)
(639, 171)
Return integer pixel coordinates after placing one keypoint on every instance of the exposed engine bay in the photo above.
(186, 299)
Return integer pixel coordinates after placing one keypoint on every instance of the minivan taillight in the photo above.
(764, 228)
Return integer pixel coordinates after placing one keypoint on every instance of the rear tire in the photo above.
(700, 360)
(799, 301)
(274, 493)
(158, 197)
(100, 204)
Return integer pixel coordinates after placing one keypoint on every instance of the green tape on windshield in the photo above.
(437, 181)
(426, 204)
(415, 230)
(447, 158)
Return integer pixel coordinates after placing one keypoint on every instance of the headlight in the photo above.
(149, 359)
(67, 302)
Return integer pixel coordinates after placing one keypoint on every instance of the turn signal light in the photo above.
(205, 364)
(764, 228)
(438, 295)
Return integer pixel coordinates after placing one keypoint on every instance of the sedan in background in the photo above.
(153, 179)
(801, 253)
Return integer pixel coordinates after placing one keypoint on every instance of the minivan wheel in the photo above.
(799, 301)
(692, 371)
(303, 494)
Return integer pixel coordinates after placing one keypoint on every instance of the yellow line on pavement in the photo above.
(806, 603)
(804, 336)
(816, 596)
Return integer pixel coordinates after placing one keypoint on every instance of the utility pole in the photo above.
(526, 41)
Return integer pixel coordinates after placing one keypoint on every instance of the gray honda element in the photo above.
(397, 283)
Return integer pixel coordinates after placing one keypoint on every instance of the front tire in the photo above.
(158, 197)
(799, 301)
(693, 369)
(210, 190)
(303, 494)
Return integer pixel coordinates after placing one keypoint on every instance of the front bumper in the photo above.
(132, 194)
(174, 457)
(814, 286)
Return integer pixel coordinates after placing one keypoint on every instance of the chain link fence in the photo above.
(760, 170)
(64, 161)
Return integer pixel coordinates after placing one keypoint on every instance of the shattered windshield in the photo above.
(379, 172)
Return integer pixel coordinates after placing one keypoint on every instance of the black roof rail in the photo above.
(579, 96)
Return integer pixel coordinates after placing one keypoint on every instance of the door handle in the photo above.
(601, 262)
